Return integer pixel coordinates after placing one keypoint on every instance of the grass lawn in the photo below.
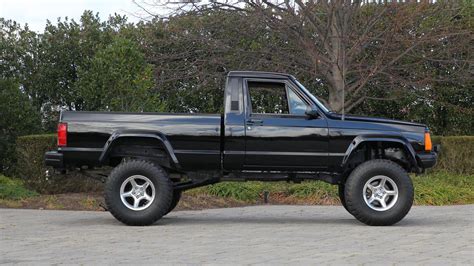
(438, 188)
(14, 189)
(443, 188)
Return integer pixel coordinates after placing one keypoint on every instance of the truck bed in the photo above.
(195, 138)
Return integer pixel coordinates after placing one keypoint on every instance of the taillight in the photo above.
(62, 134)
(428, 144)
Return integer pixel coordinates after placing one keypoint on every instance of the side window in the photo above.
(268, 97)
(297, 105)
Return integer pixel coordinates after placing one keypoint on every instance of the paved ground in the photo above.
(261, 234)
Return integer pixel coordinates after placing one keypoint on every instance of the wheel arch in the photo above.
(156, 139)
(397, 141)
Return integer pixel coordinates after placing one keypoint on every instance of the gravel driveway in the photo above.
(260, 234)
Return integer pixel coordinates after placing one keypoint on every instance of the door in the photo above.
(278, 134)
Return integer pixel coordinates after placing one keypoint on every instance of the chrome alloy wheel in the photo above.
(137, 192)
(380, 193)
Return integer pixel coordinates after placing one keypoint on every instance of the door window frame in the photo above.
(288, 86)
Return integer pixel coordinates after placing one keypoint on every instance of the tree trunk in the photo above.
(336, 89)
(338, 61)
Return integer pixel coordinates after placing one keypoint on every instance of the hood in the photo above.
(374, 120)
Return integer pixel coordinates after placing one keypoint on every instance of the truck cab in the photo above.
(272, 124)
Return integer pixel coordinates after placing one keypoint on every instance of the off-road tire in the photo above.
(342, 196)
(174, 200)
(163, 192)
(354, 197)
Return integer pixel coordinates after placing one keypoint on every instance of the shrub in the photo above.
(457, 153)
(30, 167)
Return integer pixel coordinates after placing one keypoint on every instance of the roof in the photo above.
(257, 74)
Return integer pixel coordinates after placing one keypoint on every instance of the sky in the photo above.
(36, 12)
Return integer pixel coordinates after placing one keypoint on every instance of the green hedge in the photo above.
(457, 154)
(30, 167)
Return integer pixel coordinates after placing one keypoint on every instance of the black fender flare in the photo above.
(112, 141)
(357, 141)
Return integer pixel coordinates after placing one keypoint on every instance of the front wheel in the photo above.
(138, 192)
(379, 192)
(342, 197)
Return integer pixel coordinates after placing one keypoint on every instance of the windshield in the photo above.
(320, 105)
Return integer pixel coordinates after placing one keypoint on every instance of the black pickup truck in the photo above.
(272, 129)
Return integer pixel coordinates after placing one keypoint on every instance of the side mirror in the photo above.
(311, 113)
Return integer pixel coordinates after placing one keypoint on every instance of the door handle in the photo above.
(254, 122)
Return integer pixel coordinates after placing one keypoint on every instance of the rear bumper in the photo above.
(54, 159)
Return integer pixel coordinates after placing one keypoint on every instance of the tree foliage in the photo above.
(18, 117)
(410, 61)
(398, 60)
(118, 79)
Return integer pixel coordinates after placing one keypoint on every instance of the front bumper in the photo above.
(54, 159)
(428, 160)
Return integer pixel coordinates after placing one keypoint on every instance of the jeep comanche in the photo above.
(272, 129)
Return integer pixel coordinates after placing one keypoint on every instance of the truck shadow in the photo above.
(216, 220)
(206, 220)
(219, 221)
(178, 220)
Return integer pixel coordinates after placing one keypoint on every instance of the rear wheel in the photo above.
(138, 192)
(379, 192)
(174, 200)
